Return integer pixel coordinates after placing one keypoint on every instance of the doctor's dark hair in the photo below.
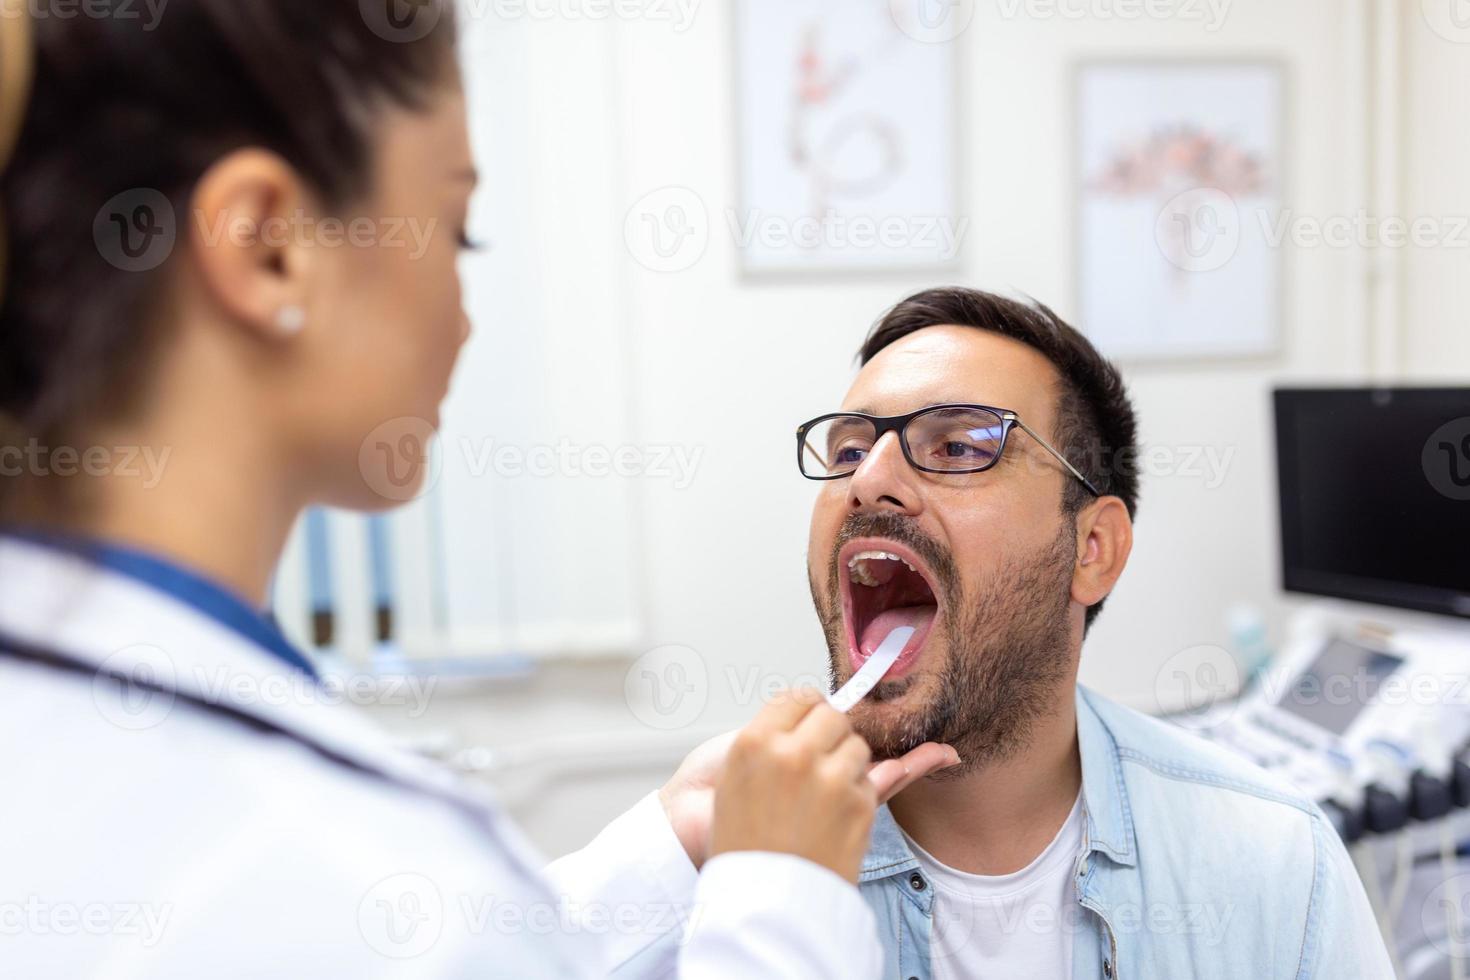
(1095, 430)
(133, 100)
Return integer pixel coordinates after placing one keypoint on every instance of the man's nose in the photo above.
(884, 481)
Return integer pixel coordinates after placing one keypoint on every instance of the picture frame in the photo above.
(1179, 176)
(846, 142)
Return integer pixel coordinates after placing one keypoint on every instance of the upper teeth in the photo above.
(857, 565)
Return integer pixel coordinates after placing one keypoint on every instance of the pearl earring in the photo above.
(290, 320)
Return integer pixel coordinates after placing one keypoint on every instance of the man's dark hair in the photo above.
(1095, 426)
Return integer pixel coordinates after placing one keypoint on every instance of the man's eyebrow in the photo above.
(932, 404)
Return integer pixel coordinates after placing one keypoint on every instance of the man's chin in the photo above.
(893, 692)
(894, 719)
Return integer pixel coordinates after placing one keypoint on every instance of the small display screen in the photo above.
(1336, 687)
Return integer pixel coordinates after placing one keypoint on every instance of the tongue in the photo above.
(891, 619)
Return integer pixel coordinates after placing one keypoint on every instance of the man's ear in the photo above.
(1104, 539)
(245, 240)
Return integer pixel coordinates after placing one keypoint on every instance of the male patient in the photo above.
(981, 487)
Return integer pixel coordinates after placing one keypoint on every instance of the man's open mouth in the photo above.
(884, 586)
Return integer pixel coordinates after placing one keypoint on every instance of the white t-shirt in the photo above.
(1015, 925)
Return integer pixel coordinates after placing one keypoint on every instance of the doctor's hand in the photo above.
(688, 798)
(796, 780)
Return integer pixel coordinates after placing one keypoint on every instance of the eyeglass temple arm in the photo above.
(808, 447)
(1060, 458)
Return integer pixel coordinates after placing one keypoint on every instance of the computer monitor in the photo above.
(1375, 495)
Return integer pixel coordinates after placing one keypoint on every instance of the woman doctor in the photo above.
(186, 362)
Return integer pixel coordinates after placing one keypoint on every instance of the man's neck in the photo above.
(997, 817)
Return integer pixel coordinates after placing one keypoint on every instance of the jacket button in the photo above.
(916, 882)
(1108, 969)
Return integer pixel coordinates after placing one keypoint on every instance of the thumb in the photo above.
(893, 776)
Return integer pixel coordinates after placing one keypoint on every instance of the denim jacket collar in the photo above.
(1104, 794)
(1104, 797)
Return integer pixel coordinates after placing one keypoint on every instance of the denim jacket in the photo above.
(1194, 864)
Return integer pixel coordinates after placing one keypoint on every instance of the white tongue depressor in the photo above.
(870, 673)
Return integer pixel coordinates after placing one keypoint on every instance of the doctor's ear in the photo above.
(245, 228)
(1104, 540)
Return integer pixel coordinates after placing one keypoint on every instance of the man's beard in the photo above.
(1008, 645)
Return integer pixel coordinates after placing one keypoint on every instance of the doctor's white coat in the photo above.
(219, 820)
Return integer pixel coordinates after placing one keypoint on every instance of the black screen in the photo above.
(1375, 495)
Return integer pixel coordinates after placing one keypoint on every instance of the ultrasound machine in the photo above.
(1366, 707)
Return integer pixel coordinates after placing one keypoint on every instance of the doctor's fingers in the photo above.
(823, 728)
(785, 711)
(851, 759)
(892, 776)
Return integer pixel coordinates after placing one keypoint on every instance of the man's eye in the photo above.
(954, 449)
(850, 455)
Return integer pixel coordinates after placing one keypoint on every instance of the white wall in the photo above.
(1436, 297)
(611, 111)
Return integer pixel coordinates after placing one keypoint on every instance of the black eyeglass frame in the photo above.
(899, 424)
